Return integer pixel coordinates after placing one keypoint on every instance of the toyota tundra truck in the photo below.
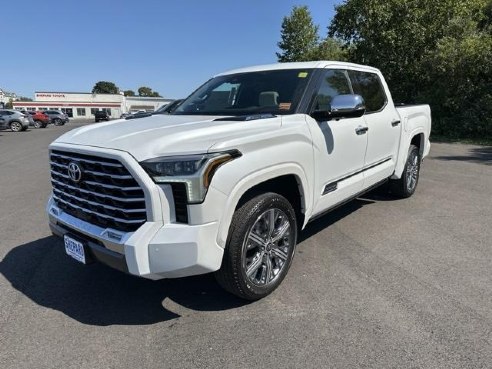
(226, 182)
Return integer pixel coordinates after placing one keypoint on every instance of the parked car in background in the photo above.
(124, 115)
(28, 116)
(14, 120)
(101, 115)
(165, 109)
(40, 119)
(169, 108)
(3, 124)
(57, 117)
(139, 114)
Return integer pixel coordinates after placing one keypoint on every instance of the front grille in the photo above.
(107, 195)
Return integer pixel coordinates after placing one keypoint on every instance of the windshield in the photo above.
(263, 92)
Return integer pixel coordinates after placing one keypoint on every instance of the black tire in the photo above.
(44, 125)
(38, 124)
(407, 184)
(232, 274)
(57, 122)
(16, 126)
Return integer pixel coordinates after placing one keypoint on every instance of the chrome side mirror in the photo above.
(342, 106)
(347, 106)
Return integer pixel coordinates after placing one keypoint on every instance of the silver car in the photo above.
(14, 120)
(57, 117)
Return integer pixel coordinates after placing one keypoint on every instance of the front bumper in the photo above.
(97, 250)
(160, 248)
(154, 251)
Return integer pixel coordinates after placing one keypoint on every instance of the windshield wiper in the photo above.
(248, 117)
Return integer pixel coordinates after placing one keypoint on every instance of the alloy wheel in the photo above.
(412, 171)
(266, 248)
(15, 126)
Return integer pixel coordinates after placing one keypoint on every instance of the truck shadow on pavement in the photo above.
(479, 155)
(98, 295)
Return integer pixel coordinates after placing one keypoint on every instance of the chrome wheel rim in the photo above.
(412, 172)
(16, 127)
(266, 248)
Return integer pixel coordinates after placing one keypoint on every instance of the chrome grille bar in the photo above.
(87, 160)
(98, 214)
(130, 199)
(94, 172)
(99, 204)
(99, 184)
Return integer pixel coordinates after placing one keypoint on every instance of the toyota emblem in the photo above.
(74, 172)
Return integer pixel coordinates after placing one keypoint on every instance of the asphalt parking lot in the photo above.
(379, 283)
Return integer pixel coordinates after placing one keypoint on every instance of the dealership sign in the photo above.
(50, 95)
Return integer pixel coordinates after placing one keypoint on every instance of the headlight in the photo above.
(195, 171)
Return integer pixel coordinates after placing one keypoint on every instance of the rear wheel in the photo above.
(37, 124)
(406, 185)
(16, 127)
(260, 247)
(57, 122)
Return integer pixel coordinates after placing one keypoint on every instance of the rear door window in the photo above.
(369, 86)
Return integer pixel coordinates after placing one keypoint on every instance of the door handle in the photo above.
(395, 123)
(361, 130)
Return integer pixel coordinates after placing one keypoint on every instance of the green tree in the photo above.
(147, 91)
(24, 98)
(428, 52)
(329, 49)
(299, 36)
(129, 93)
(105, 87)
(9, 104)
(459, 82)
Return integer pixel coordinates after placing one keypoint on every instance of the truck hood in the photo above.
(165, 135)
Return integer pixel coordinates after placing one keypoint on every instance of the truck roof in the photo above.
(301, 65)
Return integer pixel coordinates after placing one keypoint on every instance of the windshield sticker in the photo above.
(284, 106)
(302, 74)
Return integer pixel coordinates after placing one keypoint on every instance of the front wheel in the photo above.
(57, 122)
(406, 185)
(37, 124)
(260, 247)
(16, 127)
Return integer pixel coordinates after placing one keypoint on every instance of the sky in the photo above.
(169, 46)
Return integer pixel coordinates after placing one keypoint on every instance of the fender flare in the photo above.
(253, 179)
(403, 151)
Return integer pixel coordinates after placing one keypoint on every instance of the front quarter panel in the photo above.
(285, 151)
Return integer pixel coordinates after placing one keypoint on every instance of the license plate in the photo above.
(74, 248)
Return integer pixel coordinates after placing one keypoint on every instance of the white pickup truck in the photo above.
(227, 181)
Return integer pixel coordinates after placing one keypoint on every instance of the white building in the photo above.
(5, 97)
(85, 104)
